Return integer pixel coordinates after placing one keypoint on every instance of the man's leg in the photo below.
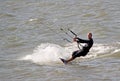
(74, 55)
(70, 59)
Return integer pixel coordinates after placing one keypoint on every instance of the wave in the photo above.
(48, 53)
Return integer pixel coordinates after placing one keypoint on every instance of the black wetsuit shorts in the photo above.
(79, 53)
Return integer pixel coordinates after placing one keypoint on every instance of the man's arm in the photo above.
(78, 40)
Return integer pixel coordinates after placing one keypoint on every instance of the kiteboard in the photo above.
(63, 60)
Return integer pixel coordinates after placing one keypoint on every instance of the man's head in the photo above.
(89, 35)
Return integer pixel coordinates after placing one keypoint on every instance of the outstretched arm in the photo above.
(78, 40)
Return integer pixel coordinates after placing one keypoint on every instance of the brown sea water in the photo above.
(31, 41)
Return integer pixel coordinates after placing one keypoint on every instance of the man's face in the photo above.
(89, 35)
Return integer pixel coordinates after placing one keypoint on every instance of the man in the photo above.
(85, 49)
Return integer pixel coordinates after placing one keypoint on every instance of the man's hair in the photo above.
(90, 34)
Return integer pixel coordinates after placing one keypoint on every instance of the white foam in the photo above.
(117, 50)
(46, 53)
(102, 48)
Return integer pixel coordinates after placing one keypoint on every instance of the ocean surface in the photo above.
(31, 40)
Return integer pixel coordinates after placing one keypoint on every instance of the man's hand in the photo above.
(75, 39)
